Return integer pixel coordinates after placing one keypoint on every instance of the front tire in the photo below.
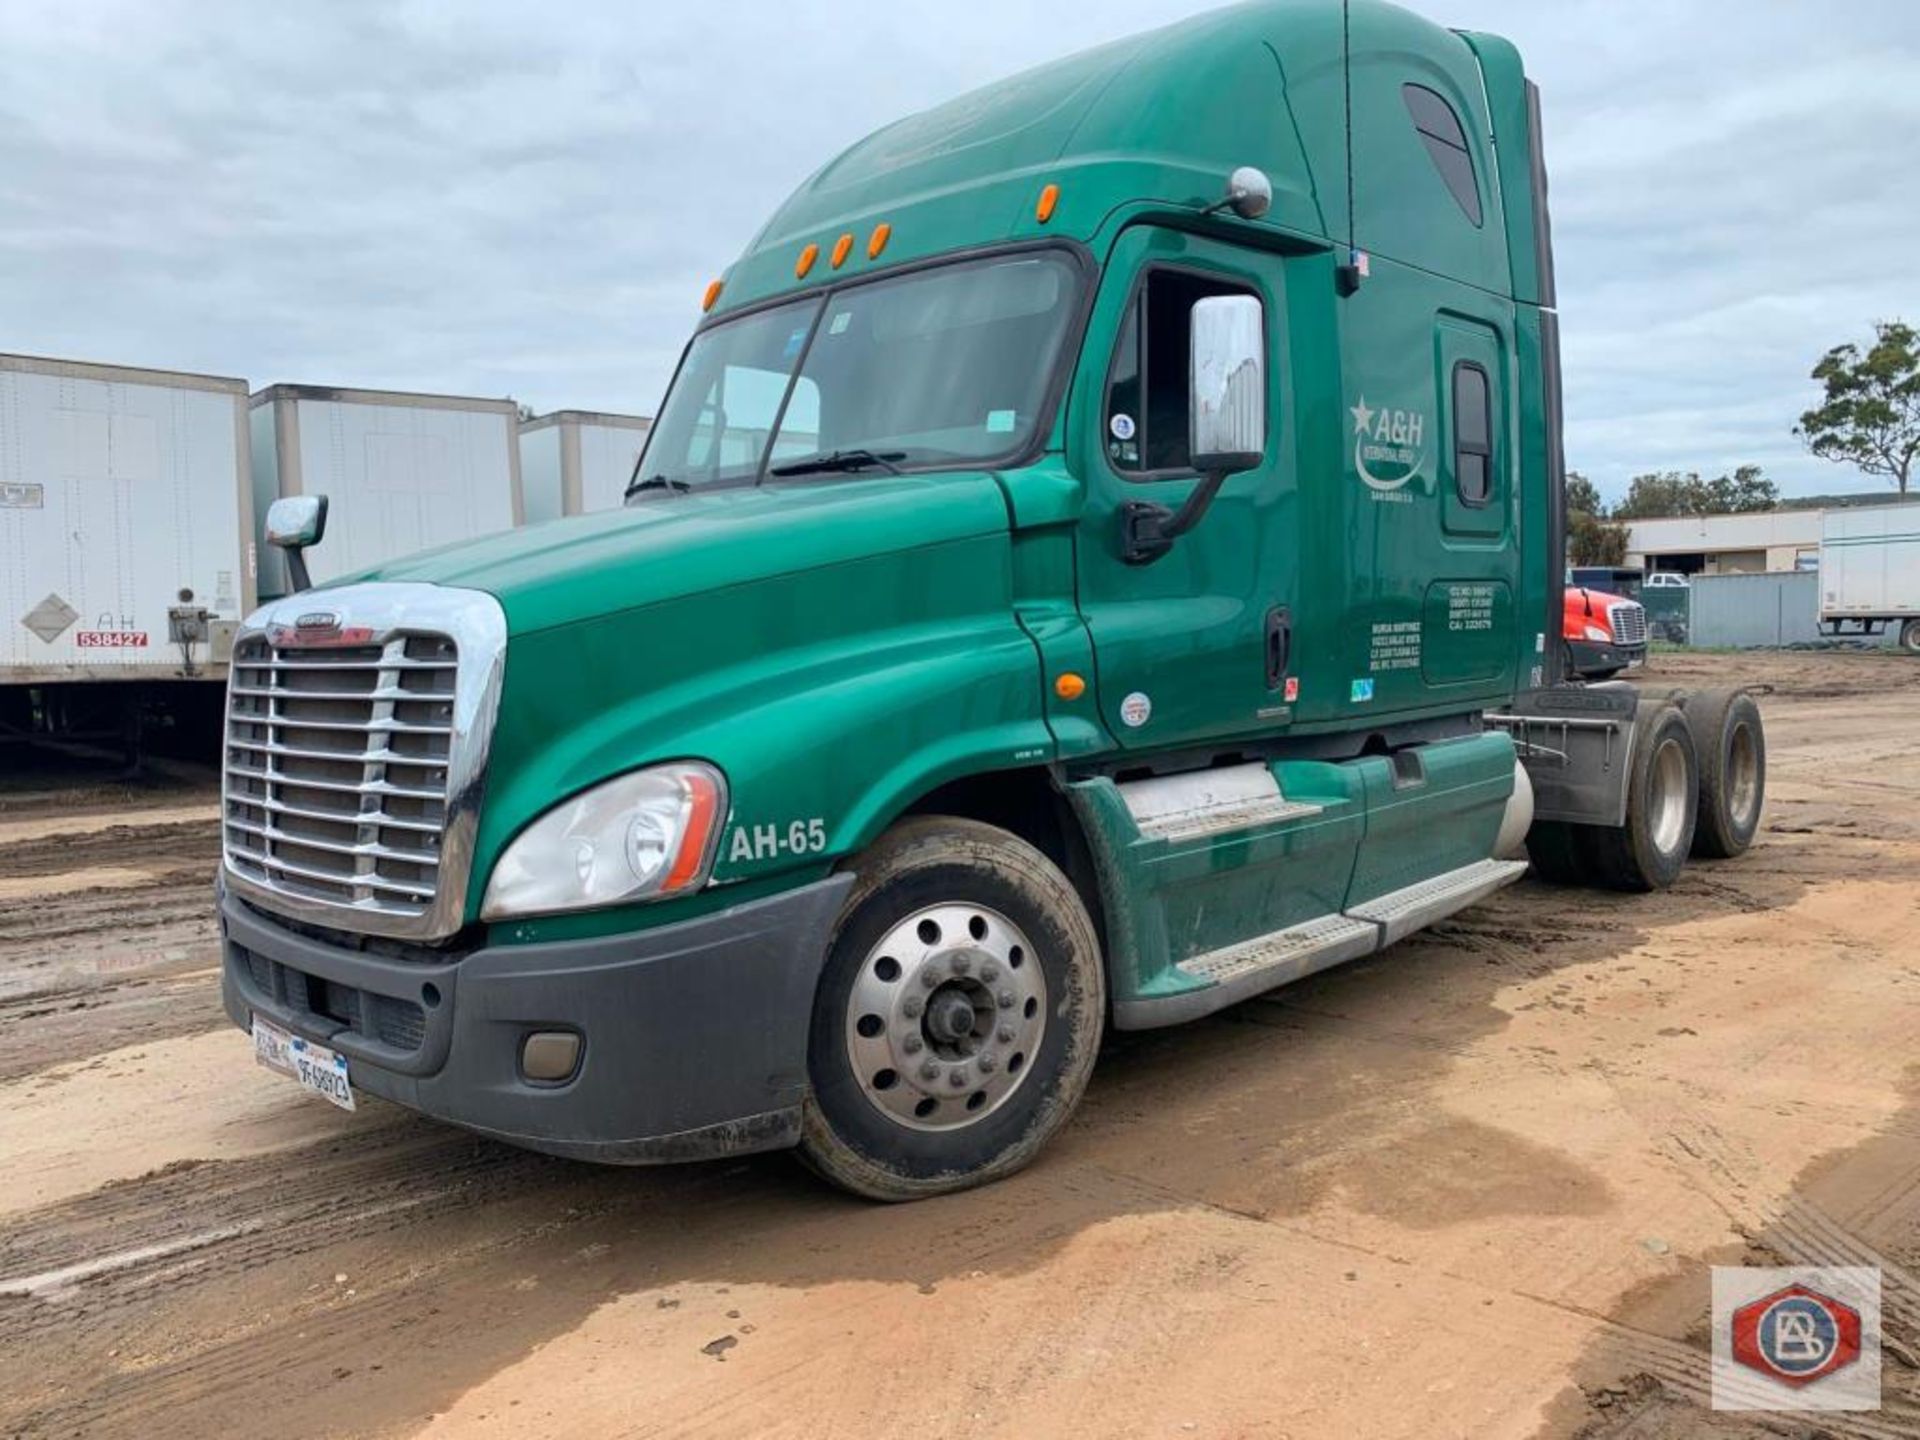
(1910, 637)
(957, 1021)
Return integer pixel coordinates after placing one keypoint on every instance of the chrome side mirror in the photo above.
(293, 523)
(1227, 384)
(1226, 418)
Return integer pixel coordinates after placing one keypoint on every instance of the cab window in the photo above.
(1472, 434)
(1145, 423)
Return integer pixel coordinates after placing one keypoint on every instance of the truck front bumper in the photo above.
(693, 1037)
(1591, 657)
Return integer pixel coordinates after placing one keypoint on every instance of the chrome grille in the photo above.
(359, 722)
(337, 766)
(1629, 621)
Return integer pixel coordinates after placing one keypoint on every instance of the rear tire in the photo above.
(957, 1021)
(1663, 794)
(1732, 748)
(1910, 637)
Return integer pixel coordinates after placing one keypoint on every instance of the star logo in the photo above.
(1362, 417)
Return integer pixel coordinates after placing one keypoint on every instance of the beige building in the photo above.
(1726, 544)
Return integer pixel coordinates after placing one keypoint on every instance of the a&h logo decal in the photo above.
(1389, 447)
(1801, 1339)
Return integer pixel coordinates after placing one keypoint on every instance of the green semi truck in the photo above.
(1098, 559)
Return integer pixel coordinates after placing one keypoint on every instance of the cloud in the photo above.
(490, 198)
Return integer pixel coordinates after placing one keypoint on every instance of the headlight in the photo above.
(1595, 632)
(643, 836)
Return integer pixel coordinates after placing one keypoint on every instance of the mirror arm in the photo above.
(1150, 530)
(297, 569)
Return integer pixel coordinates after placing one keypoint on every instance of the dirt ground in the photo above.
(1470, 1187)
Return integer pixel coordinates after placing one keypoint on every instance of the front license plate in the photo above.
(312, 1065)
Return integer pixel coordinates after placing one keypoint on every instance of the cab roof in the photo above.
(1156, 122)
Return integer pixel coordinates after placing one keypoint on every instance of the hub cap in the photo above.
(1668, 810)
(946, 1016)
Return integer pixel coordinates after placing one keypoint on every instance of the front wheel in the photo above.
(1910, 637)
(957, 1021)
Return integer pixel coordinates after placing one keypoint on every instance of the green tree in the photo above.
(1667, 492)
(1591, 539)
(1870, 415)
(1583, 496)
(1594, 541)
(1743, 491)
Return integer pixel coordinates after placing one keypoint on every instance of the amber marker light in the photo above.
(805, 262)
(878, 240)
(703, 806)
(840, 249)
(1069, 686)
(713, 294)
(1049, 197)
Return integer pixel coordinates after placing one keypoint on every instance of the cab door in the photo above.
(1195, 645)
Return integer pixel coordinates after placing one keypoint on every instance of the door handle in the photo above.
(1279, 645)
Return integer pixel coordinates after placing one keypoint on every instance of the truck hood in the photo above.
(675, 545)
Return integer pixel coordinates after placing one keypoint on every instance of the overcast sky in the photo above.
(518, 199)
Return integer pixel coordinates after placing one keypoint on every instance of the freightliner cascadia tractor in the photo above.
(1099, 559)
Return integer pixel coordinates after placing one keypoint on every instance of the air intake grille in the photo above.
(1629, 623)
(337, 769)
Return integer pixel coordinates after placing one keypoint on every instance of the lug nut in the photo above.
(989, 972)
(929, 1071)
(958, 1079)
(1005, 999)
(987, 1064)
(913, 1007)
(929, 979)
(911, 1044)
(1006, 1034)
(961, 964)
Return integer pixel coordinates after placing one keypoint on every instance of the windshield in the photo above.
(941, 366)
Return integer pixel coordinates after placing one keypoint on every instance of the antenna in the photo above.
(1347, 277)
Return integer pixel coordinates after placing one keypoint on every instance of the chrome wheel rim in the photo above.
(1669, 798)
(946, 1017)
(1743, 776)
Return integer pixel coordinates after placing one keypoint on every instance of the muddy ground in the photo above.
(1467, 1188)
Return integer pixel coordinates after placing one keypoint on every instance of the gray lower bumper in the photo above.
(694, 1036)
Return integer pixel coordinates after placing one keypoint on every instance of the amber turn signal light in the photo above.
(1069, 686)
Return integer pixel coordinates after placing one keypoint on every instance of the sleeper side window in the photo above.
(1472, 434)
(1146, 420)
(1439, 130)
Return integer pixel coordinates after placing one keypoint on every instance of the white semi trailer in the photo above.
(126, 541)
(1870, 572)
(402, 472)
(575, 461)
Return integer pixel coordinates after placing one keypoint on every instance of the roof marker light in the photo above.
(713, 294)
(1049, 197)
(878, 240)
(840, 249)
(805, 262)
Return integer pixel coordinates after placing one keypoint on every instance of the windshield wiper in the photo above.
(843, 460)
(655, 482)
